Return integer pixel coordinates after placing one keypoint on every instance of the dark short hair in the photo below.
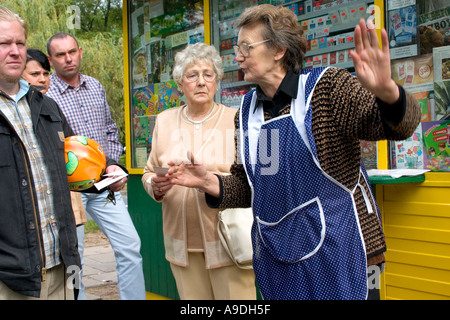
(59, 35)
(281, 28)
(39, 56)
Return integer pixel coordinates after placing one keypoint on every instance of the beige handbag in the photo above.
(234, 228)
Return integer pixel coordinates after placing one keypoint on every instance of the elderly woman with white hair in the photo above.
(201, 266)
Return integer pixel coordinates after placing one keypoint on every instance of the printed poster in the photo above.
(139, 73)
(436, 137)
(145, 101)
(441, 62)
(409, 154)
(168, 95)
(402, 32)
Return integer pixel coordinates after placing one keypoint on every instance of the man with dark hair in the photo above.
(83, 101)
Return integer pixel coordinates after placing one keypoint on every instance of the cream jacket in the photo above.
(188, 223)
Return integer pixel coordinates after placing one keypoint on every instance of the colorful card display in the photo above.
(436, 138)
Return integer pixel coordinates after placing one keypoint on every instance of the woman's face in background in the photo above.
(36, 75)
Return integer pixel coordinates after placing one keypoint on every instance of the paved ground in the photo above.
(99, 274)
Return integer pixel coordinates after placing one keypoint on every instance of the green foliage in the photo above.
(99, 34)
(103, 59)
(103, 15)
(91, 226)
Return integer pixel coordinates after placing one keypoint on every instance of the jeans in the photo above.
(115, 222)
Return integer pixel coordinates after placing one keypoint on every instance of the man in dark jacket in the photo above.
(38, 242)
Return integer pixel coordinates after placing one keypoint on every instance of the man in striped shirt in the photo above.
(83, 102)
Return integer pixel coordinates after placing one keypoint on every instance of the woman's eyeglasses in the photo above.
(244, 48)
(193, 77)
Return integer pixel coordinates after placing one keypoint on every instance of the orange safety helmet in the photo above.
(85, 162)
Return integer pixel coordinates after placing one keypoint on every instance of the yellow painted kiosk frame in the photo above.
(416, 219)
(415, 210)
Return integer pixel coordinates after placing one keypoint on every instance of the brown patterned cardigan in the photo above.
(343, 113)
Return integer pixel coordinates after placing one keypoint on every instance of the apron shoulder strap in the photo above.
(313, 76)
(242, 137)
(247, 100)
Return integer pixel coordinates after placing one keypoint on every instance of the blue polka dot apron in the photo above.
(307, 241)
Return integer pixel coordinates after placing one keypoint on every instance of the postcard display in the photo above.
(419, 43)
(328, 27)
(158, 29)
(224, 36)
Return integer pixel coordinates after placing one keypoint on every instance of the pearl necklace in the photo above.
(197, 123)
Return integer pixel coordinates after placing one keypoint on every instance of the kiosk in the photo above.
(415, 209)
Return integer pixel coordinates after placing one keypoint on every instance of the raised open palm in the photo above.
(372, 64)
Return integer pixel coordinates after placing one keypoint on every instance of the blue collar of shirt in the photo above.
(63, 86)
(23, 90)
(24, 87)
